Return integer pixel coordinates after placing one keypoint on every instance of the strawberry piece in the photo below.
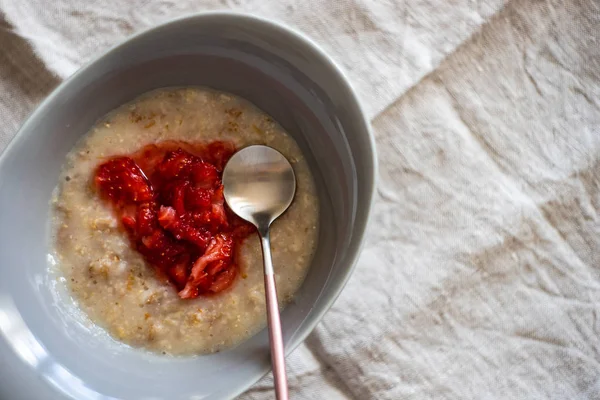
(218, 153)
(202, 218)
(179, 197)
(159, 249)
(198, 236)
(204, 175)
(181, 226)
(179, 272)
(219, 249)
(242, 231)
(176, 164)
(198, 198)
(166, 216)
(146, 218)
(223, 280)
(216, 267)
(122, 181)
(129, 223)
(149, 157)
(218, 208)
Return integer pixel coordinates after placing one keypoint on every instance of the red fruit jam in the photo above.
(169, 198)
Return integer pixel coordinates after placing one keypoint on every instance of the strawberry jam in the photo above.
(169, 198)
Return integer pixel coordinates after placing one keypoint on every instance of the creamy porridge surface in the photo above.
(111, 281)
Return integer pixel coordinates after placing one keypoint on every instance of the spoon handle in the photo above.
(275, 337)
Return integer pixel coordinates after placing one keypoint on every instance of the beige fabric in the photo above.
(480, 278)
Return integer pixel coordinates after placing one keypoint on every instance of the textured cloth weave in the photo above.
(480, 278)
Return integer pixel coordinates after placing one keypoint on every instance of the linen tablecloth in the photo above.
(480, 278)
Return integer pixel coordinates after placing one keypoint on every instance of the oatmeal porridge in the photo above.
(143, 239)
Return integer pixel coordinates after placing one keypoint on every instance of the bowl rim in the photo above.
(324, 59)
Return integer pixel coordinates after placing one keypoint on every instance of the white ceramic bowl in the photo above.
(45, 353)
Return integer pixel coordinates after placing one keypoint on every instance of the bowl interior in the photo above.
(273, 68)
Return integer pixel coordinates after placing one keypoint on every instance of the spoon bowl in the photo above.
(259, 184)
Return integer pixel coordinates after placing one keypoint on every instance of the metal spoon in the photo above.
(259, 185)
